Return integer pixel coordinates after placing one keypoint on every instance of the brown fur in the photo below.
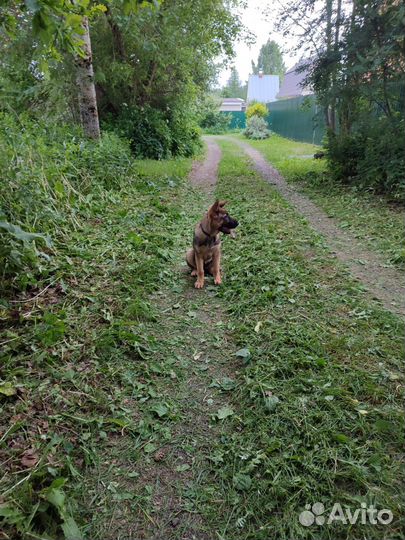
(205, 255)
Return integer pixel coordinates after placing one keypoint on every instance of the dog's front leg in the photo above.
(216, 266)
(199, 261)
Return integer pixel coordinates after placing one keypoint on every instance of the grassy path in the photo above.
(383, 282)
(374, 220)
(192, 369)
(312, 398)
(151, 410)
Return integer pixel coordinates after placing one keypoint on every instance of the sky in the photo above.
(262, 27)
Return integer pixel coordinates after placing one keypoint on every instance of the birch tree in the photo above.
(85, 84)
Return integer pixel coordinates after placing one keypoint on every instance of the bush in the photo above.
(372, 156)
(157, 135)
(257, 109)
(185, 133)
(215, 122)
(211, 120)
(344, 154)
(256, 128)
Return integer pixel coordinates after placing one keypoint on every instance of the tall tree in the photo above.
(270, 60)
(61, 26)
(234, 87)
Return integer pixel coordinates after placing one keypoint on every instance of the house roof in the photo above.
(233, 100)
(263, 88)
(292, 86)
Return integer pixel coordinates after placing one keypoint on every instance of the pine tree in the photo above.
(234, 87)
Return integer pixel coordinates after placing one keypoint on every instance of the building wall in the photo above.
(263, 88)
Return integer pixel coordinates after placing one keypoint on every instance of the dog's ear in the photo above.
(217, 206)
(214, 208)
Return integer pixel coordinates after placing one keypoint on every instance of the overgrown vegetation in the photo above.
(153, 63)
(74, 298)
(211, 120)
(50, 174)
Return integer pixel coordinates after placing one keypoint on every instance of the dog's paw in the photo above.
(193, 273)
(218, 280)
(199, 284)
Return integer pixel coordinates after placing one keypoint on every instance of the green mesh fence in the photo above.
(297, 118)
(237, 119)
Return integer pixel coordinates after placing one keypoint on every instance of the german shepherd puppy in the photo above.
(205, 255)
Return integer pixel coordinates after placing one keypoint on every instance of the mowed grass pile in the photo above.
(318, 411)
(85, 237)
(375, 219)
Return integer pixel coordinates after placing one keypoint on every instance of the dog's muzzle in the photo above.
(228, 224)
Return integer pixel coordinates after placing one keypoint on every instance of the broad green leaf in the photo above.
(341, 438)
(224, 412)
(149, 448)
(56, 497)
(71, 530)
(242, 482)
(182, 468)
(271, 402)
(7, 389)
(243, 353)
(160, 409)
(20, 234)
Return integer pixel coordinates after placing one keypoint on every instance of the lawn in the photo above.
(372, 218)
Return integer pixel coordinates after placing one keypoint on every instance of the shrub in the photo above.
(215, 122)
(256, 128)
(372, 156)
(211, 120)
(157, 135)
(185, 133)
(344, 154)
(257, 109)
(146, 129)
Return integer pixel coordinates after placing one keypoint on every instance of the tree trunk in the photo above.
(117, 38)
(86, 87)
(336, 50)
(328, 111)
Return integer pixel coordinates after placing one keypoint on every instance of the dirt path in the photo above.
(384, 283)
(192, 330)
(204, 173)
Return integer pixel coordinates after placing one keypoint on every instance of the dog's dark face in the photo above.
(228, 224)
(220, 217)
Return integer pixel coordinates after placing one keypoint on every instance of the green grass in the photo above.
(371, 218)
(74, 357)
(318, 414)
(120, 357)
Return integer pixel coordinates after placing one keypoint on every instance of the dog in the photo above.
(205, 255)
